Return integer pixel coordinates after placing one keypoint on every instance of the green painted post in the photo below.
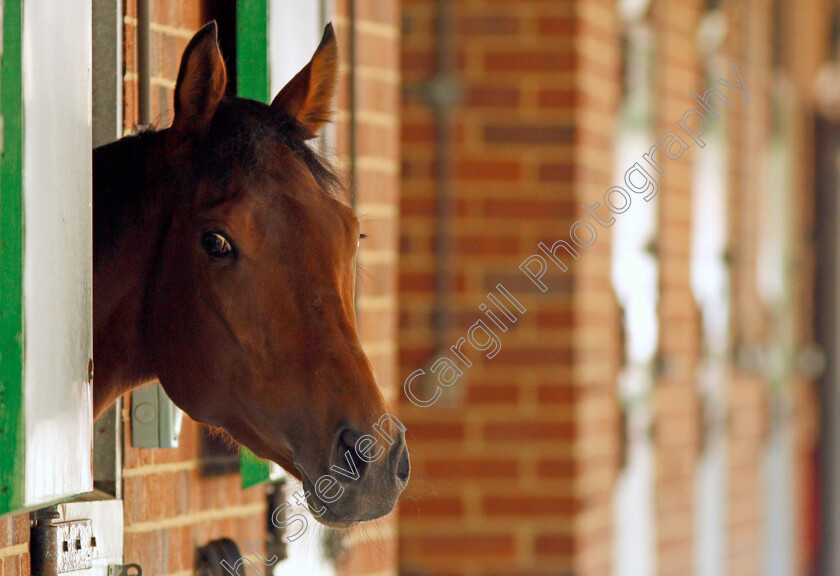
(252, 76)
(45, 327)
(11, 262)
(252, 81)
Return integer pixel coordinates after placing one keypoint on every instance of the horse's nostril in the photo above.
(346, 457)
(400, 463)
(404, 467)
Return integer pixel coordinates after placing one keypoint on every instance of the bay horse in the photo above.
(224, 266)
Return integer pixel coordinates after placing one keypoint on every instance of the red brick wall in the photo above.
(172, 25)
(14, 545)
(170, 509)
(516, 475)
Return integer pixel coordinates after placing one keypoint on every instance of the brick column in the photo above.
(513, 471)
(806, 32)
(597, 341)
(676, 409)
(749, 42)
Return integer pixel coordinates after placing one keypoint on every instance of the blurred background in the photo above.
(669, 405)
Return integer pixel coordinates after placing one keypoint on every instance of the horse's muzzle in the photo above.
(366, 476)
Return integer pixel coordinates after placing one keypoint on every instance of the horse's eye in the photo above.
(216, 244)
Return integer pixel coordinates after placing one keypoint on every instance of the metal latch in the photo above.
(75, 545)
(78, 538)
(60, 547)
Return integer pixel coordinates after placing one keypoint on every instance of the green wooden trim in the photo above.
(252, 81)
(11, 262)
(252, 75)
(252, 469)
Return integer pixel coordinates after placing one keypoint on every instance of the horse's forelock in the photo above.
(240, 137)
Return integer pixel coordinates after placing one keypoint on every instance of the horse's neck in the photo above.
(126, 224)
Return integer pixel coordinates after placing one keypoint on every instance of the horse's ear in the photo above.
(201, 81)
(308, 96)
